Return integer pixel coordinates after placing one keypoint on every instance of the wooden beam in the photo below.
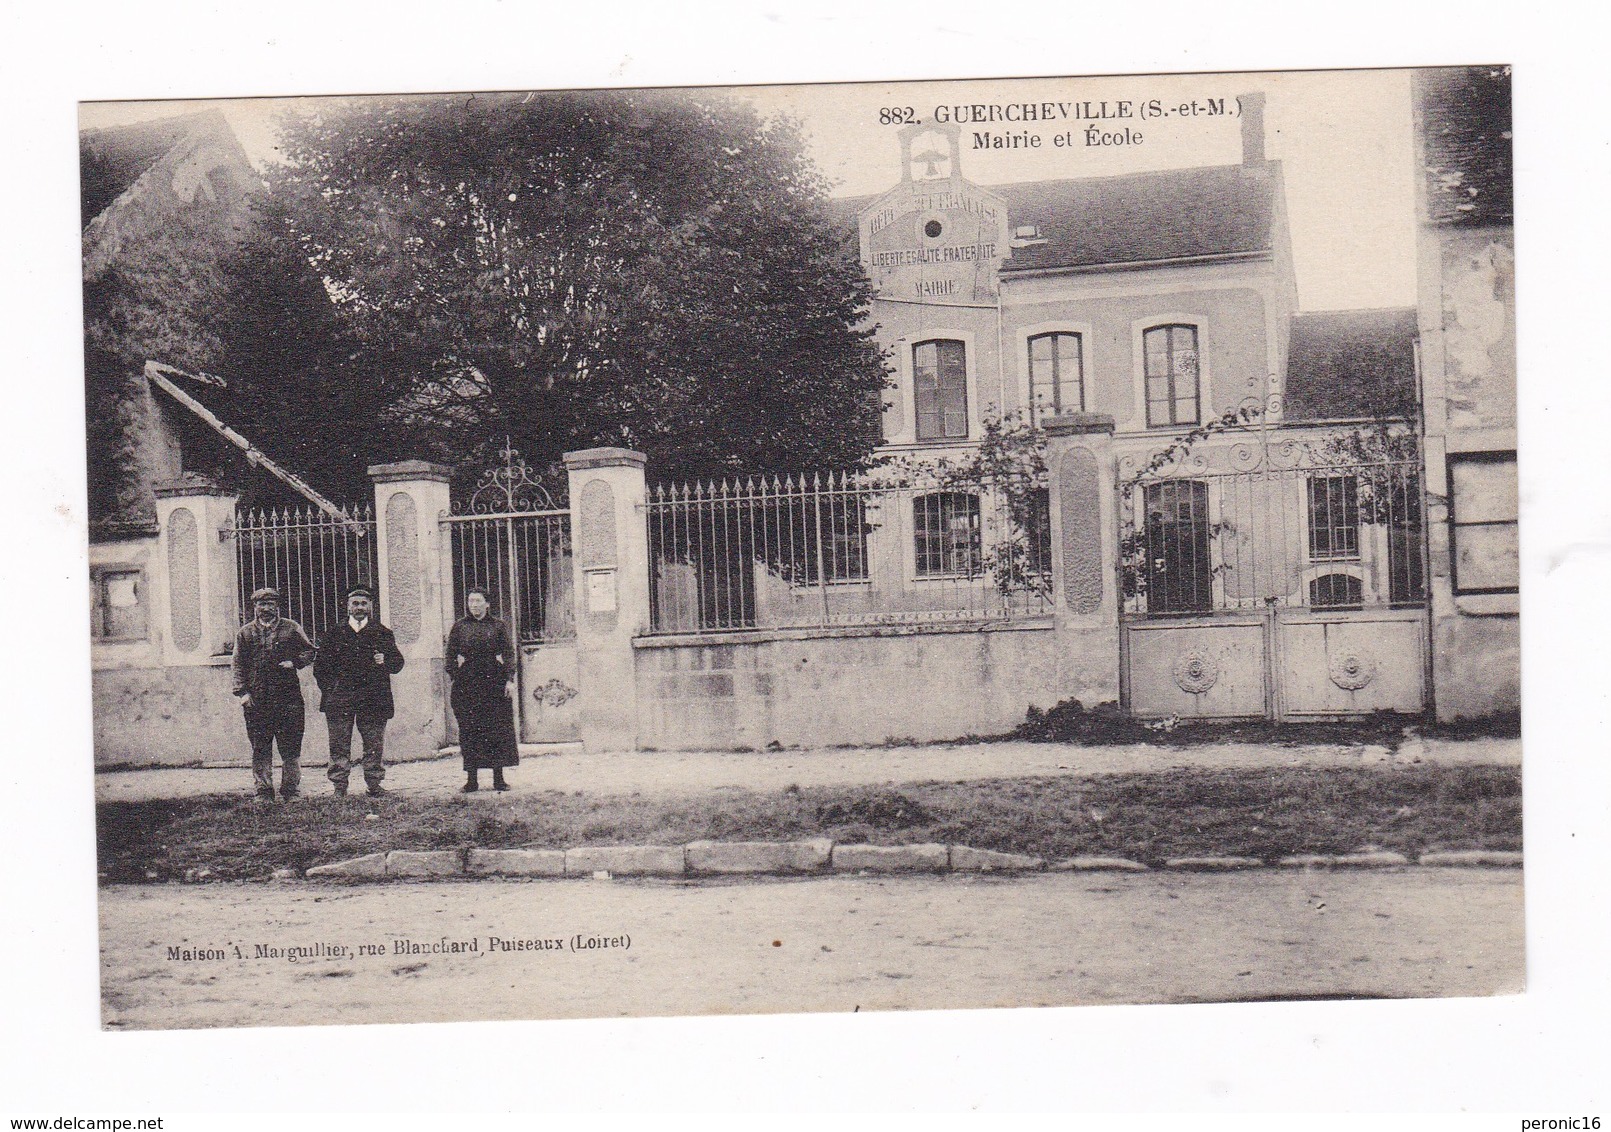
(156, 372)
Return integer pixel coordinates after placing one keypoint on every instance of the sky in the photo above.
(1343, 137)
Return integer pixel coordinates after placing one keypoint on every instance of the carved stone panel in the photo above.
(184, 580)
(403, 567)
(1080, 505)
(597, 541)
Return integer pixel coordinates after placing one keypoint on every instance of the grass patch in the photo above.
(1257, 812)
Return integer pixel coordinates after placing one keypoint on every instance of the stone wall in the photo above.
(861, 686)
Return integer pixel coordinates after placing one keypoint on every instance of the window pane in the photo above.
(1172, 375)
(1335, 590)
(1333, 517)
(939, 371)
(1176, 572)
(946, 533)
(1157, 348)
(1486, 558)
(122, 605)
(1042, 376)
(1484, 490)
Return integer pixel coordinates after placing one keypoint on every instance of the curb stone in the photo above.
(759, 856)
(1213, 864)
(1344, 861)
(1098, 864)
(967, 859)
(369, 865)
(626, 860)
(820, 855)
(516, 862)
(425, 863)
(929, 858)
(1468, 857)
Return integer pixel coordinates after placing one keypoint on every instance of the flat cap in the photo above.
(361, 591)
(267, 593)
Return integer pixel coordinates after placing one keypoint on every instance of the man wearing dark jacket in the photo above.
(354, 669)
(268, 651)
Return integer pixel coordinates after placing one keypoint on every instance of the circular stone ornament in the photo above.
(1196, 673)
(1351, 672)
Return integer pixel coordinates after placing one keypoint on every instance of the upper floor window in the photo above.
(940, 385)
(1173, 376)
(1056, 375)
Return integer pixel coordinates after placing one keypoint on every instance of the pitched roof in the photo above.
(1135, 218)
(1144, 217)
(1463, 118)
(112, 158)
(1347, 364)
(139, 178)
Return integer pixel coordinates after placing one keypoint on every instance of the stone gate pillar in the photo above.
(415, 599)
(193, 598)
(1081, 470)
(610, 560)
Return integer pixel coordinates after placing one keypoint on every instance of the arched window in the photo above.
(940, 389)
(1336, 591)
(945, 526)
(1056, 375)
(1174, 376)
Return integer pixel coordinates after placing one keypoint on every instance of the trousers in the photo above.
(266, 725)
(371, 732)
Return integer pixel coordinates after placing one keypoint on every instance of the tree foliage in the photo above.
(652, 270)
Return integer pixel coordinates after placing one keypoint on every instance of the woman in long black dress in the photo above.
(481, 665)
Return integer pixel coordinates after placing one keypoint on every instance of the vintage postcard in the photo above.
(1034, 542)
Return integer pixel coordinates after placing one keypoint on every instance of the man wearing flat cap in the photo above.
(356, 662)
(268, 651)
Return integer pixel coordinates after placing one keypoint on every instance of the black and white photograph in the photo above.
(802, 559)
(783, 549)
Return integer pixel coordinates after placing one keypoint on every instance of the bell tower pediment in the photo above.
(934, 237)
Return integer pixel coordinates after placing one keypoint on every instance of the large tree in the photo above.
(649, 269)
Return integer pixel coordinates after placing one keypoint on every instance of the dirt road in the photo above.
(285, 954)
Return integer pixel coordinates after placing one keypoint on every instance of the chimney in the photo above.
(1252, 107)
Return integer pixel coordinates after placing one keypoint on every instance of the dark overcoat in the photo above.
(346, 672)
(481, 660)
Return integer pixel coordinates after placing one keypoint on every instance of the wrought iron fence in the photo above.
(834, 549)
(1311, 535)
(310, 556)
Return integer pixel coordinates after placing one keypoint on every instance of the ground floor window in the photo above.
(117, 604)
(1176, 569)
(946, 533)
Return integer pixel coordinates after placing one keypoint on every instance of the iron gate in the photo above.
(1292, 587)
(511, 541)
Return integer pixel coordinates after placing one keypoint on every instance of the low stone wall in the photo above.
(183, 715)
(863, 685)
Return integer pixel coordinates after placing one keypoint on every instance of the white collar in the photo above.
(357, 626)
